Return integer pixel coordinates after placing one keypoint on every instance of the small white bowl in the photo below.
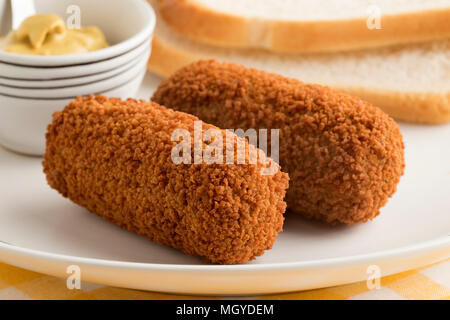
(59, 83)
(126, 24)
(82, 89)
(23, 122)
(25, 113)
(10, 71)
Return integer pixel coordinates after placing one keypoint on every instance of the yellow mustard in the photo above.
(47, 34)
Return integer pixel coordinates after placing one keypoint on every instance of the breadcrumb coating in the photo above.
(344, 156)
(113, 158)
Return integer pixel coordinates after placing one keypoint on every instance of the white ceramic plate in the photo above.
(44, 232)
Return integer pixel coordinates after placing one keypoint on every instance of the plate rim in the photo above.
(414, 249)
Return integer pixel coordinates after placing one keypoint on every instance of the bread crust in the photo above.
(166, 59)
(344, 156)
(221, 29)
(415, 107)
(113, 157)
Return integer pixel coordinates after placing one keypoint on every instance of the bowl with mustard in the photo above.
(67, 49)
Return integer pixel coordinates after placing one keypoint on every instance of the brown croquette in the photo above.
(343, 155)
(113, 158)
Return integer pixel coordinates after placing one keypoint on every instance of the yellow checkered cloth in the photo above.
(431, 282)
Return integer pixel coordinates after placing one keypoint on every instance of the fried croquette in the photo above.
(344, 156)
(113, 158)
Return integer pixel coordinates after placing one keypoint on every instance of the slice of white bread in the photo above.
(410, 83)
(305, 26)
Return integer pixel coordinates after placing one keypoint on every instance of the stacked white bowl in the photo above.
(33, 87)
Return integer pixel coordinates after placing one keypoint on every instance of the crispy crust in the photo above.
(113, 157)
(204, 24)
(427, 108)
(344, 156)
